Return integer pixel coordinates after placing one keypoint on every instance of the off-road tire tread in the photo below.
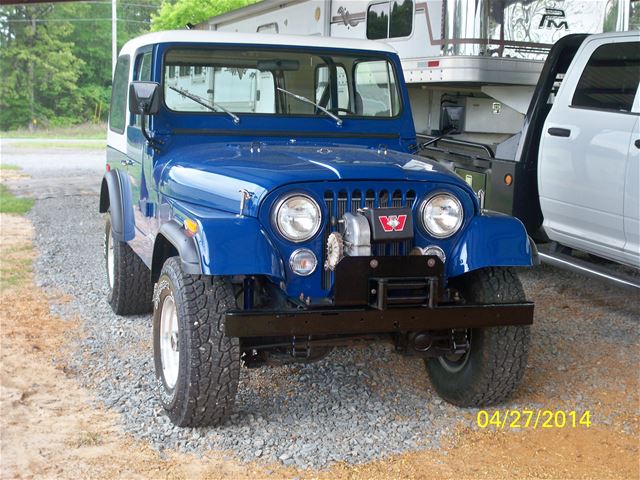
(213, 369)
(503, 362)
(132, 287)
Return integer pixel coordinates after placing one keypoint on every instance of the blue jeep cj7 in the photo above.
(263, 199)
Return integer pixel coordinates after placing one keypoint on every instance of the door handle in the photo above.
(637, 143)
(559, 132)
(126, 162)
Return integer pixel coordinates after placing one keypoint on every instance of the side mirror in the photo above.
(144, 98)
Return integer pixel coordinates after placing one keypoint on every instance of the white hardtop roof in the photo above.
(235, 38)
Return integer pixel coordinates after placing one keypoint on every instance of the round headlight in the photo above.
(297, 218)
(442, 215)
(303, 262)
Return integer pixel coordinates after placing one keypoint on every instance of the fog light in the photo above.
(303, 262)
(434, 250)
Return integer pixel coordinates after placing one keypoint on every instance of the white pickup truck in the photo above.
(572, 174)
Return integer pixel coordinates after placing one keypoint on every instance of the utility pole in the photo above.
(114, 36)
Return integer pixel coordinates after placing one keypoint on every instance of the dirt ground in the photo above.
(52, 427)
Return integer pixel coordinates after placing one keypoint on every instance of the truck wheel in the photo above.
(196, 364)
(491, 370)
(128, 278)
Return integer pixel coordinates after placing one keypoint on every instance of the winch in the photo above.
(357, 231)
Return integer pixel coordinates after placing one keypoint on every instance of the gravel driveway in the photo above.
(357, 404)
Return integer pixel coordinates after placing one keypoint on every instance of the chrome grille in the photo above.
(343, 201)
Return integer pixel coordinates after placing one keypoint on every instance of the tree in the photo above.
(55, 59)
(177, 15)
(38, 67)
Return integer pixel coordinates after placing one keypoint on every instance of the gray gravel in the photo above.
(354, 406)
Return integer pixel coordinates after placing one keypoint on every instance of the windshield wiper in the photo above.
(319, 107)
(211, 106)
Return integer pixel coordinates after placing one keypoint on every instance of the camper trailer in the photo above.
(471, 66)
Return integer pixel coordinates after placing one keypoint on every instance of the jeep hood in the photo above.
(213, 175)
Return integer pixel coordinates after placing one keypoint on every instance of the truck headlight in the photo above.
(297, 217)
(442, 215)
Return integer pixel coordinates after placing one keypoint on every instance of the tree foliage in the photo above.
(55, 59)
(177, 15)
(39, 70)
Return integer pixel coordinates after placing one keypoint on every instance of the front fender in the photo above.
(234, 245)
(490, 240)
(229, 244)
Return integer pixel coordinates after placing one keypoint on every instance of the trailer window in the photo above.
(610, 79)
(390, 19)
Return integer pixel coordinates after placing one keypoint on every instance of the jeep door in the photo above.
(139, 167)
(585, 147)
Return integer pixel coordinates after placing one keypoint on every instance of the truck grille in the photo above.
(343, 201)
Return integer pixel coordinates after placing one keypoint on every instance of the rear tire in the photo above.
(197, 365)
(493, 367)
(128, 278)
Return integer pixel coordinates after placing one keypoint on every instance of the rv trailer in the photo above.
(471, 66)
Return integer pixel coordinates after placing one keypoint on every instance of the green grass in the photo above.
(5, 166)
(9, 203)
(86, 131)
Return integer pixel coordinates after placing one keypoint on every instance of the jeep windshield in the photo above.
(271, 82)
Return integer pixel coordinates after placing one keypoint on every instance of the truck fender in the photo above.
(233, 245)
(116, 198)
(171, 240)
(491, 240)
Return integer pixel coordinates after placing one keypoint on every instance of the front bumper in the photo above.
(353, 321)
(375, 295)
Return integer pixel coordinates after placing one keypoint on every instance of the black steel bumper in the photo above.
(352, 321)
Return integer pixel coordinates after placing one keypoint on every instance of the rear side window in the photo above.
(392, 19)
(610, 79)
(118, 108)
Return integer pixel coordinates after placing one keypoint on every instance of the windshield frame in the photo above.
(319, 51)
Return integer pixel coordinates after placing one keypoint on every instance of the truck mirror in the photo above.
(144, 98)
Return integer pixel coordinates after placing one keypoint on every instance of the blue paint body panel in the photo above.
(204, 160)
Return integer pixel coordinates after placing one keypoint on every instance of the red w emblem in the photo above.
(393, 223)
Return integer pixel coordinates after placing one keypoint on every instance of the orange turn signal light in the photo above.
(508, 179)
(190, 226)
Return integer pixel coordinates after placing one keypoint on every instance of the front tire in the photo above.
(128, 278)
(197, 365)
(493, 367)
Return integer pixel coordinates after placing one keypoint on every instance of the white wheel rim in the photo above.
(169, 341)
(110, 260)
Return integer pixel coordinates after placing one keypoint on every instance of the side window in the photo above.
(322, 83)
(143, 73)
(377, 21)
(401, 18)
(392, 19)
(118, 108)
(610, 79)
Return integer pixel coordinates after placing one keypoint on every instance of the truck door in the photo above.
(584, 148)
(632, 194)
(138, 157)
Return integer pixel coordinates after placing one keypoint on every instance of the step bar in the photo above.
(584, 267)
